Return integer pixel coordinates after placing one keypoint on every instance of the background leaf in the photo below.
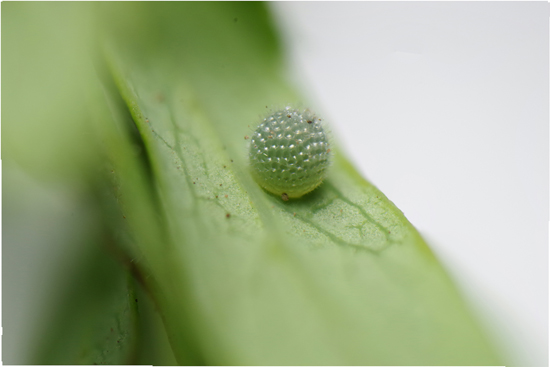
(65, 299)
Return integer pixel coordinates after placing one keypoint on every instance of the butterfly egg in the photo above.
(289, 153)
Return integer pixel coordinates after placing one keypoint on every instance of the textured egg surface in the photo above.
(289, 153)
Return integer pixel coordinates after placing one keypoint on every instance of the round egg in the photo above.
(290, 153)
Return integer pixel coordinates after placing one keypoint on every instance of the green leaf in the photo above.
(53, 175)
(239, 276)
(47, 70)
(96, 320)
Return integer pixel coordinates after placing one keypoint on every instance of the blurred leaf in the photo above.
(239, 276)
(53, 169)
(46, 71)
(96, 322)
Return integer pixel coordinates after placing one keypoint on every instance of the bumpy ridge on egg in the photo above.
(289, 152)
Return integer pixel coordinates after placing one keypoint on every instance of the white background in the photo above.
(444, 107)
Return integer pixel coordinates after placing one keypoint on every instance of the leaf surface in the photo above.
(239, 276)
